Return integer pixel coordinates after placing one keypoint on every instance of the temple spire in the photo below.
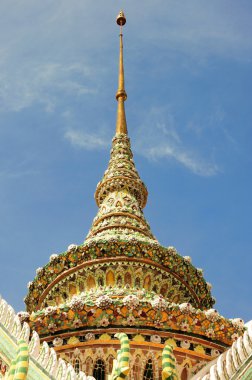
(121, 195)
(121, 96)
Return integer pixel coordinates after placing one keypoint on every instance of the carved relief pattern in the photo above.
(180, 268)
(124, 277)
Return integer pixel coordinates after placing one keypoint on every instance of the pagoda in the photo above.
(121, 280)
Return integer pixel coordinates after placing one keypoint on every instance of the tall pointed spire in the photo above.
(121, 96)
(121, 195)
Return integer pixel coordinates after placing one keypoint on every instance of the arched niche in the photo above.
(147, 282)
(148, 371)
(110, 278)
(128, 279)
(77, 365)
(91, 282)
(89, 366)
(99, 370)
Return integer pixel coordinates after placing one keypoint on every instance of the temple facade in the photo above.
(120, 305)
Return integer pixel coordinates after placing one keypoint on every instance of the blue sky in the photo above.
(189, 112)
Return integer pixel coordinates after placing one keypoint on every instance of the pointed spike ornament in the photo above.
(121, 96)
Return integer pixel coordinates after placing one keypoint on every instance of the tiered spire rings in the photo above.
(121, 255)
(121, 195)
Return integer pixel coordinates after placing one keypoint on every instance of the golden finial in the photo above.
(121, 19)
(121, 96)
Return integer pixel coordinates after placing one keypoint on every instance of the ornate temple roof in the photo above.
(121, 258)
(122, 280)
(120, 228)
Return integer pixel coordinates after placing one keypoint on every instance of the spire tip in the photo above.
(121, 96)
(121, 19)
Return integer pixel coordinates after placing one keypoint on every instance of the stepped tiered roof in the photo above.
(121, 260)
(122, 279)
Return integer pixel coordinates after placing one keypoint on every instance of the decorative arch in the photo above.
(91, 283)
(148, 367)
(148, 370)
(138, 282)
(154, 279)
(77, 360)
(184, 374)
(128, 278)
(99, 371)
(109, 361)
(110, 278)
(77, 365)
(147, 281)
(89, 366)
(136, 366)
(100, 278)
(185, 369)
(119, 279)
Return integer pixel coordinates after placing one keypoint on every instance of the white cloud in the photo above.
(187, 159)
(159, 137)
(43, 84)
(86, 140)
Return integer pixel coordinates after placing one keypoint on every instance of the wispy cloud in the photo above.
(182, 156)
(160, 138)
(49, 69)
(86, 140)
(43, 84)
(157, 139)
(42, 60)
(37, 70)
